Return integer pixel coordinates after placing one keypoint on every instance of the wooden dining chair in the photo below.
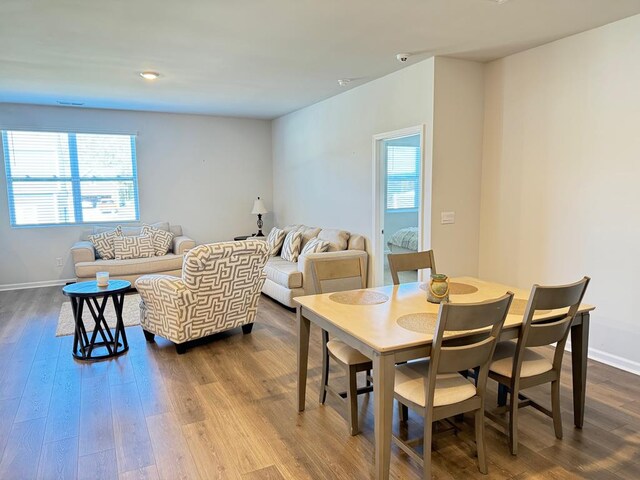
(334, 275)
(406, 262)
(517, 366)
(434, 388)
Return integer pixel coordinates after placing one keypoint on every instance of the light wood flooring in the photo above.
(227, 410)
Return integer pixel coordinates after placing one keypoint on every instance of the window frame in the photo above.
(75, 180)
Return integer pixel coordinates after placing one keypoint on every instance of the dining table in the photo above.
(395, 323)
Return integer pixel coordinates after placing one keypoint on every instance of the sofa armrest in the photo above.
(305, 265)
(83, 252)
(181, 244)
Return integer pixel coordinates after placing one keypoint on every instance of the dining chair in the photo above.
(435, 389)
(334, 275)
(405, 262)
(517, 366)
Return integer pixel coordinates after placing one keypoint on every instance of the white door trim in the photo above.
(377, 243)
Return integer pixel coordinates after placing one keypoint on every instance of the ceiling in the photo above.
(256, 58)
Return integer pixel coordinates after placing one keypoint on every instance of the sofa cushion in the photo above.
(103, 242)
(291, 246)
(133, 231)
(308, 233)
(161, 239)
(275, 239)
(338, 239)
(315, 245)
(283, 272)
(133, 266)
(140, 246)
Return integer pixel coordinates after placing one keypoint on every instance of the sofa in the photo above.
(286, 280)
(218, 290)
(87, 263)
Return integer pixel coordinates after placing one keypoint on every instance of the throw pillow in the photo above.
(103, 242)
(338, 239)
(133, 247)
(291, 246)
(275, 240)
(315, 245)
(161, 239)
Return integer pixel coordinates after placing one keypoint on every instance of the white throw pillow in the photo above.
(161, 239)
(275, 240)
(133, 247)
(338, 239)
(315, 245)
(103, 242)
(291, 246)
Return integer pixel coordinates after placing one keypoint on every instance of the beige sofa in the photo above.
(287, 280)
(87, 264)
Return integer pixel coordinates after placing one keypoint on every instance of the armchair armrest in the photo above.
(305, 264)
(181, 244)
(83, 252)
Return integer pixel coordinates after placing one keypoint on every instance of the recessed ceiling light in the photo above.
(500, 2)
(149, 75)
(343, 82)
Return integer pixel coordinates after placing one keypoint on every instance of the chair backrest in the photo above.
(469, 351)
(405, 262)
(337, 274)
(537, 334)
(226, 278)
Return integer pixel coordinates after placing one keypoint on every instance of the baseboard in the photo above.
(615, 361)
(46, 283)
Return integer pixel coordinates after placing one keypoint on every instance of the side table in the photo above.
(89, 293)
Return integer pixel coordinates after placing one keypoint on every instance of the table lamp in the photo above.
(259, 209)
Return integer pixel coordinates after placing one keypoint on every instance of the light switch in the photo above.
(447, 217)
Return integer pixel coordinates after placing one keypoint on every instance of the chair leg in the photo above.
(325, 372)
(502, 395)
(482, 456)
(181, 348)
(555, 408)
(403, 410)
(246, 329)
(368, 377)
(513, 422)
(352, 400)
(149, 337)
(426, 447)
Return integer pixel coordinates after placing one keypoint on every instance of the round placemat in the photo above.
(419, 322)
(456, 288)
(359, 297)
(519, 305)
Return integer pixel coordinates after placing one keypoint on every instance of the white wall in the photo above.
(200, 172)
(561, 169)
(322, 155)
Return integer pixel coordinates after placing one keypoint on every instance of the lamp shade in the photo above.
(258, 207)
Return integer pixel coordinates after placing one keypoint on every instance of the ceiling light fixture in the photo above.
(149, 75)
(343, 82)
(499, 2)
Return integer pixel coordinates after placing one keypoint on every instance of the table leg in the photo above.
(304, 326)
(579, 350)
(383, 383)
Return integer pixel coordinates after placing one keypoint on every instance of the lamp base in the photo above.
(259, 234)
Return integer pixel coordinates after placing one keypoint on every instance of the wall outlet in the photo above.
(59, 262)
(447, 218)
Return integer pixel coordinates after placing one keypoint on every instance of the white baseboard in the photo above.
(46, 283)
(614, 361)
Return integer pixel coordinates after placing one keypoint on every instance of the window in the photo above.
(57, 178)
(403, 177)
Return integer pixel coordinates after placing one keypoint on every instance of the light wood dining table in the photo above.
(368, 320)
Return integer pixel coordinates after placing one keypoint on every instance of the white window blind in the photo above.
(59, 178)
(403, 177)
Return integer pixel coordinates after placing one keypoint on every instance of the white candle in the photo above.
(102, 279)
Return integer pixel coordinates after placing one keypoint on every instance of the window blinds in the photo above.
(403, 177)
(59, 178)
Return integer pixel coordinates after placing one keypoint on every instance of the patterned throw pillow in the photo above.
(315, 245)
(291, 246)
(275, 240)
(161, 239)
(133, 247)
(103, 242)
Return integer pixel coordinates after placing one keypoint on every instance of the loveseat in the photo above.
(87, 263)
(287, 280)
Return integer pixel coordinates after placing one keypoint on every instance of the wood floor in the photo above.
(227, 410)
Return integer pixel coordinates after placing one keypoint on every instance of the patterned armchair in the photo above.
(219, 290)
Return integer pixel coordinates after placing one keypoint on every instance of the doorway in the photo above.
(398, 199)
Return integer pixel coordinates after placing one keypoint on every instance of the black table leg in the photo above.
(579, 351)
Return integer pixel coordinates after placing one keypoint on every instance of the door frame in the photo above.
(377, 238)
